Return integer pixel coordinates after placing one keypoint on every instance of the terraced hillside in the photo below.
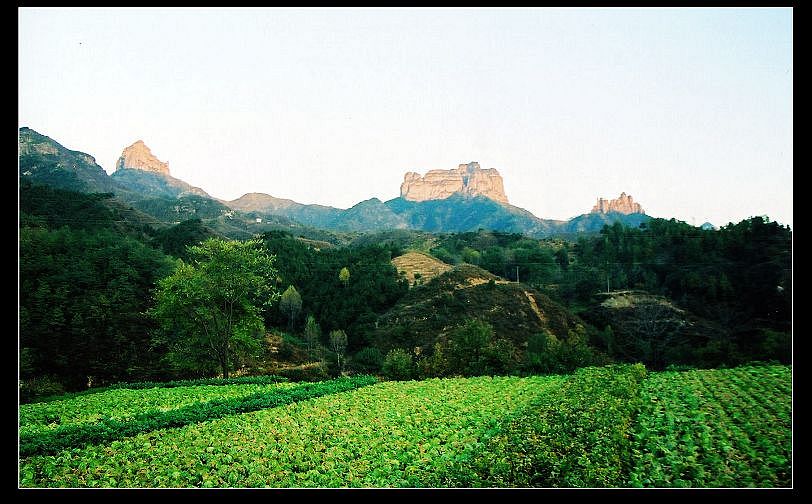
(419, 267)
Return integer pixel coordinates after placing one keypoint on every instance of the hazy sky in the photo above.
(688, 110)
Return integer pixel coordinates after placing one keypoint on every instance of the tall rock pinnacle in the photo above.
(138, 157)
(468, 179)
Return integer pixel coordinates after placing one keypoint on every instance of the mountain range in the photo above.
(463, 199)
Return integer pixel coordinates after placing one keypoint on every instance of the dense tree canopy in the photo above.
(83, 295)
(175, 240)
(374, 285)
(739, 278)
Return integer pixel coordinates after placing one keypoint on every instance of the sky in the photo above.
(688, 110)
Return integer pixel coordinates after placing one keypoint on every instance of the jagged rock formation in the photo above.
(624, 204)
(139, 170)
(138, 157)
(468, 179)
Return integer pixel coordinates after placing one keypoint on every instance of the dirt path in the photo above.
(535, 306)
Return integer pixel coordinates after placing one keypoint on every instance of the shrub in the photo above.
(37, 387)
(434, 365)
(398, 365)
(316, 371)
(368, 360)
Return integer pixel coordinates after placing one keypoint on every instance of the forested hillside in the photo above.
(677, 295)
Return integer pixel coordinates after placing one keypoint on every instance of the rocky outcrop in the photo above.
(624, 204)
(468, 179)
(42, 160)
(138, 157)
(140, 171)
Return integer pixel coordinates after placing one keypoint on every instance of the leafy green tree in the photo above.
(494, 260)
(397, 365)
(467, 347)
(548, 354)
(474, 351)
(434, 365)
(210, 310)
(338, 343)
(312, 334)
(344, 276)
(291, 304)
(443, 255)
(471, 256)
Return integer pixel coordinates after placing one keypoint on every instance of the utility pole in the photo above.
(517, 274)
(607, 277)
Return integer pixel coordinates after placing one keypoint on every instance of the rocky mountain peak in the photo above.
(138, 157)
(468, 179)
(625, 204)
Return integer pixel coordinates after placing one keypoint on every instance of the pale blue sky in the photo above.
(688, 110)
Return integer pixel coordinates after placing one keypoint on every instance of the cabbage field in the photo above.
(614, 426)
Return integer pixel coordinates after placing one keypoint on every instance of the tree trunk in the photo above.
(225, 362)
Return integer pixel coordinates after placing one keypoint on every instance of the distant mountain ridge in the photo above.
(463, 199)
(42, 160)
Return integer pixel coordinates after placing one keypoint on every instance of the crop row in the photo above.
(109, 429)
(715, 428)
(575, 438)
(393, 434)
(199, 382)
(125, 404)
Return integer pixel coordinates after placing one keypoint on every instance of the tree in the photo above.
(650, 333)
(291, 304)
(312, 333)
(471, 256)
(562, 258)
(338, 343)
(474, 350)
(657, 330)
(210, 309)
(467, 347)
(494, 260)
(344, 276)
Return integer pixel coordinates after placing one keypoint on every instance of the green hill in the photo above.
(429, 312)
(154, 185)
(45, 161)
(464, 213)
